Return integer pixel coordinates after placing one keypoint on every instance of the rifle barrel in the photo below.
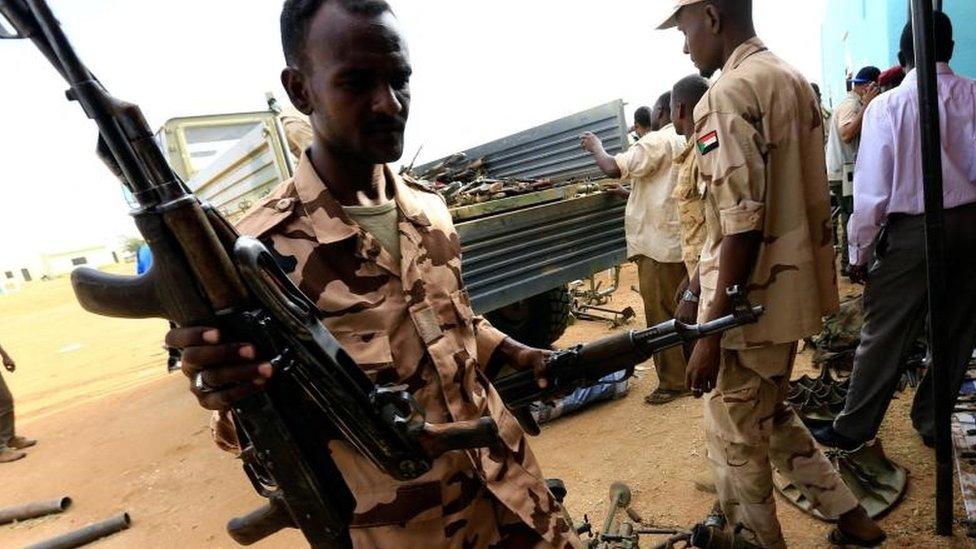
(34, 19)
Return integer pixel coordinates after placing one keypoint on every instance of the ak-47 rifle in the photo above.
(205, 274)
(585, 365)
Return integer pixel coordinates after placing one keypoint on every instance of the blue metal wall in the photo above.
(866, 32)
(963, 14)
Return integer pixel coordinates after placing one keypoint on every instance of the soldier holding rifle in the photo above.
(759, 140)
(380, 257)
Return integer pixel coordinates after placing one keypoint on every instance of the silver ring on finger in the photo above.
(201, 385)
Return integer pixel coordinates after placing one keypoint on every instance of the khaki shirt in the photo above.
(691, 207)
(409, 323)
(825, 114)
(840, 152)
(651, 218)
(760, 147)
(849, 109)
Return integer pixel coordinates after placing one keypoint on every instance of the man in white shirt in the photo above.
(843, 140)
(653, 230)
(887, 247)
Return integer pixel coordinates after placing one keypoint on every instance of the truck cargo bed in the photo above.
(515, 255)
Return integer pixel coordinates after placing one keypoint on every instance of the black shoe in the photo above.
(840, 539)
(928, 441)
(829, 437)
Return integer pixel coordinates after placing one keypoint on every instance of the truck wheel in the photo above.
(537, 321)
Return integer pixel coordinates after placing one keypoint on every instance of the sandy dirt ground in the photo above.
(119, 434)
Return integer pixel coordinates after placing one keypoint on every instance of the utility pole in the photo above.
(928, 97)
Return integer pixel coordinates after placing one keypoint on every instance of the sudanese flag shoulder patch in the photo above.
(708, 143)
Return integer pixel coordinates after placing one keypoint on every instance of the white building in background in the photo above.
(50, 265)
(61, 263)
(14, 274)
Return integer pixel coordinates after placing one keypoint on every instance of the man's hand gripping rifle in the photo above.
(585, 365)
(204, 274)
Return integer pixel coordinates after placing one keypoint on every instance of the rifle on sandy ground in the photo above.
(205, 274)
(585, 365)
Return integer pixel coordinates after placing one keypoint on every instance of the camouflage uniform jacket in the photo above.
(760, 147)
(691, 207)
(411, 324)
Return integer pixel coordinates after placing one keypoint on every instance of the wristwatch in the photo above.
(689, 296)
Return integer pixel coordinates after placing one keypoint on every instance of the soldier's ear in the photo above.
(296, 86)
(713, 19)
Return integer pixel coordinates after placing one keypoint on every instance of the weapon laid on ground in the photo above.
(710, 534)
(86, 535)
(34, 510)
(585, 365)
(204, 274)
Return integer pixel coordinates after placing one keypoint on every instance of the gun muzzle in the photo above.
(86, 535)
(34, 510)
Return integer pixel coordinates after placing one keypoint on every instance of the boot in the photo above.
(7, 455)
(19, 443)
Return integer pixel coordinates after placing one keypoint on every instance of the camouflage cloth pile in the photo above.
(836, 343)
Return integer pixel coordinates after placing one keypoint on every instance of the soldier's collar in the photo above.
(406, 198)
(745, 50)
(329, 220)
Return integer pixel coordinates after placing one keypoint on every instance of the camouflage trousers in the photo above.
(751, 429)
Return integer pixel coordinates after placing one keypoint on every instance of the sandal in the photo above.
(663, 396)
(838, 537)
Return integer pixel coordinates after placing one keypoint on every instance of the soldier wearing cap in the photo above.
(843, 140)
(759, 141)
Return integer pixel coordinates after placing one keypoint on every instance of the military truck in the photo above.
(518, 253)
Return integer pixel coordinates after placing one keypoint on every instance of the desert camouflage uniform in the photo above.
(691, 208)
(412, 324)
(760, 150)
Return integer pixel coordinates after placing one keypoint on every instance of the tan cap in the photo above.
(678, 4)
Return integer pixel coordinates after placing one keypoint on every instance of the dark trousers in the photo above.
(895, 312)
(6, 414)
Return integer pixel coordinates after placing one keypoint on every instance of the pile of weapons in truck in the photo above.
(463, 181)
